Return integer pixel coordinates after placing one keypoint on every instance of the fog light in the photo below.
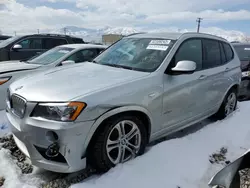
(52, 150)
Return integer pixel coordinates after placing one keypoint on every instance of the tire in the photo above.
(100, 158)
(236, 181)
(222, 112)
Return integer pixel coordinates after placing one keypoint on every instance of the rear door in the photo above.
(213, 68)
(30, 47)
(50, 42)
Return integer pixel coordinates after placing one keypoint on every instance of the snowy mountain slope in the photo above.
(179, 162)
(96, 34)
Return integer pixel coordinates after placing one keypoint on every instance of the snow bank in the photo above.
(4, 127)
(182, 162)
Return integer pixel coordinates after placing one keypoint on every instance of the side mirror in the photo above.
(17, 47)
(68, 62)
(185, 66)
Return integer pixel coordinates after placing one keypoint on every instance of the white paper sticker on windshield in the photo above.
(63, 51)
(164, 42)
(157, 47)
(246, 48)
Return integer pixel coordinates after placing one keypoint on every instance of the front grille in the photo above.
(18, 105)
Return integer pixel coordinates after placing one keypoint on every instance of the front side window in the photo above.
(243, 51)
(50, 56)
(31, 43)
(141, 54)
(83, 55)
(190, 50)
(211, 54)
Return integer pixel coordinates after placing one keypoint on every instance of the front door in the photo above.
(30, 47)
(183, 92)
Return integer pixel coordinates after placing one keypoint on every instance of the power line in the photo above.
(199, 23)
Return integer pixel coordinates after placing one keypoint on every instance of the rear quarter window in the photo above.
(228, 51)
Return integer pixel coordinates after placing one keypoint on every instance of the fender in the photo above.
(111, 113)
(228, 90)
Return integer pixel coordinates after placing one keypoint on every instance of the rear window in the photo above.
(243, 52)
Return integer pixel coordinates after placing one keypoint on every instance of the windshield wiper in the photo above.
(119, 66)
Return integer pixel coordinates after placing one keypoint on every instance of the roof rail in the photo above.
(134, 34)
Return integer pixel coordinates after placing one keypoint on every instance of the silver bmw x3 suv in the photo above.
(140, 89)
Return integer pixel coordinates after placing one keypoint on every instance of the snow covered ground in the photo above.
(182, 161)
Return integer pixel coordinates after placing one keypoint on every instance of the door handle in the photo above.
(227, 69)
(202, 77)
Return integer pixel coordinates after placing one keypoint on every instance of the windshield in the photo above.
(142, 54)
(8, 41)
(50, 56)
(243, 52)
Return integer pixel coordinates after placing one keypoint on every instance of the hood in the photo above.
(13, 66)
(69, 82)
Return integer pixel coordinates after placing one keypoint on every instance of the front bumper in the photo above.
(30, 135)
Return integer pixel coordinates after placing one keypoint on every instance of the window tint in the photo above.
(211, 54)
(223, 56)
(77, 40)
(228, 51)
(83, 55)
(31, 43)
(51, 42)
(190, 50)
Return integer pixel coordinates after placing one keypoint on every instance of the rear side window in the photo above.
(190, 50)
(52, 42)
(77, 41)
(211, 54)
(228, 51)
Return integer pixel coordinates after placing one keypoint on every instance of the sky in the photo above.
(27, 16)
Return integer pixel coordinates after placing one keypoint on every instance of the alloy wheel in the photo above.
(123, 142)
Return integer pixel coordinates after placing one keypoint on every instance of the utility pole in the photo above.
(65, 30)
(15, 33)
(38, 31)
(199, 23)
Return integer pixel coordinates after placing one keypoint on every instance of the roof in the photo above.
(83, 46)
(50, 34)
(241, 43)
(174, 35)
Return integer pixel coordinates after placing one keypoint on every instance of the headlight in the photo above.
(4, 79)
(59, 111)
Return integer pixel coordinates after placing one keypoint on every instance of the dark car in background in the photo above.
(243, 51)
(4, 37)
(25, 47)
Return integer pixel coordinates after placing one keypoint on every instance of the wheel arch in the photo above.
(138, 111)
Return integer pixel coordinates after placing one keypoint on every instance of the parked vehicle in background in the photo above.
(243, 51)
(140, 89)
(58, 56)
(25, 47)
(3, 37)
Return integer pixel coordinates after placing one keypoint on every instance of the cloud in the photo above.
(115, 13)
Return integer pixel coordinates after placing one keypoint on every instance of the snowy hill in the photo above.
(96, 34)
